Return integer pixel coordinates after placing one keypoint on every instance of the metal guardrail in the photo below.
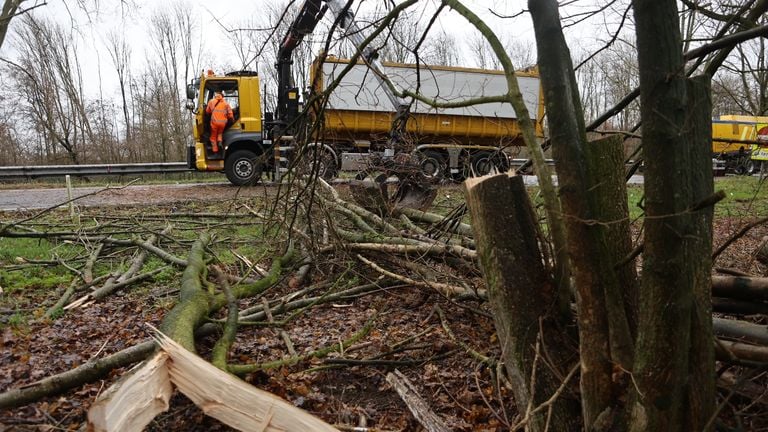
(21, 172)
(38, 171)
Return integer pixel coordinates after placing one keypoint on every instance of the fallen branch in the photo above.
(741, 330)
(744, 288)
(73, 287)
(738, 307)
(415, 249)
(445, 289)
(109, 288)
(431, 218)
(83, 374)
(88, 267)
(283, 333)
(193, 306)
(320, 353)
(220, 351)
(741, 351)
(418, 407)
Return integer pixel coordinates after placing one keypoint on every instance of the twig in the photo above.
(283, 333)
(448, 290)
(481, 358)
(320, 353)
(221, 349)
(745, 229)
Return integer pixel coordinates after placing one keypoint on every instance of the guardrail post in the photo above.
(75, 218)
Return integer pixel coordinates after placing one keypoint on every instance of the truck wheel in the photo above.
(432, 164)
(243, 168)
(321, 163)
(485, 162)
(753, 167)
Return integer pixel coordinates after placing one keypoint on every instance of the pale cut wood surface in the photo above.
(131, 403)
(231, 400)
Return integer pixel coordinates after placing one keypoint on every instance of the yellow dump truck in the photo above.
(740, 141)
(445, 142)
(356, 121)
(362, 113)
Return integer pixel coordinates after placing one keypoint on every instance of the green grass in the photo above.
(744, 193)
(744, 197)
(16, 273)
(102, 181)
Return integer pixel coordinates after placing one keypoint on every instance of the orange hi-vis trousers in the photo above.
(217, 134)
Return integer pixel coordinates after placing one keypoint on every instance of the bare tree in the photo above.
(440, 49)
(49, 72)
(171, 31)
(120, 53)
(742, 83)
(399, 43)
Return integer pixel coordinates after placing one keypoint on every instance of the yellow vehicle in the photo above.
(363, 118)
(444, 142)
(740, 141)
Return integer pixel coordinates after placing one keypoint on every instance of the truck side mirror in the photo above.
(190, 106)
(191, 91)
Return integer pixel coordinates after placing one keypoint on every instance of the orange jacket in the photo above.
(219, 110)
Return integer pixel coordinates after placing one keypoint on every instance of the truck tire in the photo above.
(243, 168)
(321, 163)
(485, 162)
(432, 164)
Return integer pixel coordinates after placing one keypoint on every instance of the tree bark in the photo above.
(672, 299)
(744, 288)
(698, 128)
(415, 403)
(523, 297)
(604, 331)
(88, 372)
(194, 302)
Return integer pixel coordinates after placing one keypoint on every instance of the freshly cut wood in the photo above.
(130, 404)
(231, 400)
(418, 407)
(744, 288)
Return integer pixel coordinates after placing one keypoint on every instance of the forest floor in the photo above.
(347, 389)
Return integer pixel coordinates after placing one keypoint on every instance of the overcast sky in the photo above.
(91, 23)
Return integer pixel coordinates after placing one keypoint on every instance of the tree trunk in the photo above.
(701, 391)
(593, 245)
(672, 300)
(523, 297)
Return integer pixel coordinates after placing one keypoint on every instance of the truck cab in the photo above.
(244, 153)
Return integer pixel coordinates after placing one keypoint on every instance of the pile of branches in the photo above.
(314, 241)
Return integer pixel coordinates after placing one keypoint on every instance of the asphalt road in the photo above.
(29, 199)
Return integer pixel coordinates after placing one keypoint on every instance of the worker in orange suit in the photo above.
(220, 112)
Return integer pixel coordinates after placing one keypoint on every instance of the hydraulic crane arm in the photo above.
(346, 21)
(309, 15)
